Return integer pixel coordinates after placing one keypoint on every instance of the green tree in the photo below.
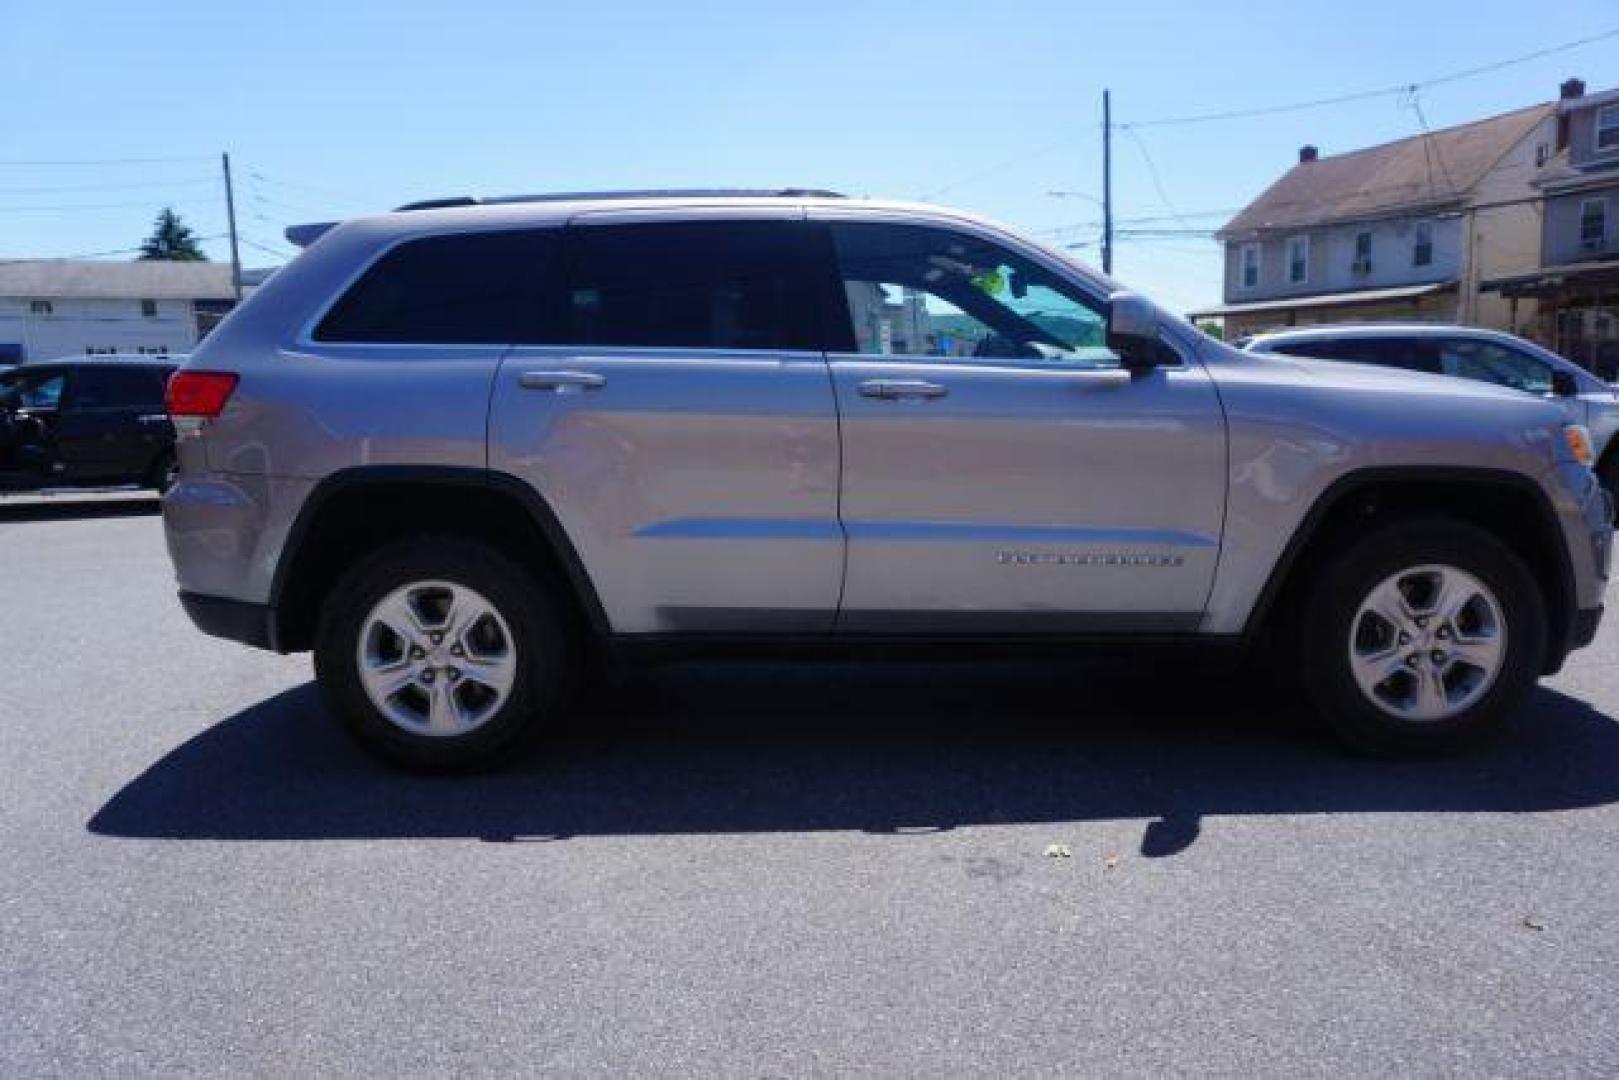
(172, 239)
(1213, 329)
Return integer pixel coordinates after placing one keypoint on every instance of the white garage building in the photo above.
(62, 307)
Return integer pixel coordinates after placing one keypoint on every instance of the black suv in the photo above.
(86, 422)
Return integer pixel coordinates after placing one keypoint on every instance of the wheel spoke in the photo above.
(1374, 669)
(1432, 700)
(1388, 604)
(387, 680)
(443, 711)
(1483, 653)
(495, 672)
(1451, 595)
(400, 616)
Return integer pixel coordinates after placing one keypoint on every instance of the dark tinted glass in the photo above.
(106, 386)
(702, 285)
(1411, 355)
(493, 288)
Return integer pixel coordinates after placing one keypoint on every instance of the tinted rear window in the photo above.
(716, 285)
(1406, 353)
(107, 386)
(491, 288)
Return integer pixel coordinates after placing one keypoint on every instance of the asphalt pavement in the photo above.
(1123, 869)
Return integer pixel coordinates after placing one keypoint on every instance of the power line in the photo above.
(1387, 91)
(109, 161)
(133, 185)
(99, 254)
(1157, 181)
(75, 207)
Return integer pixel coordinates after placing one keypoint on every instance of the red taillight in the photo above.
(199, 394)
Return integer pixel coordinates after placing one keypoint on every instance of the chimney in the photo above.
(1308, 154)
(1571, 90)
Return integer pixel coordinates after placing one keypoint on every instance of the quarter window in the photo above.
(492, 288)
(709, 285)
(918, 291)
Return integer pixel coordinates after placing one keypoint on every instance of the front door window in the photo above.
(917, 291)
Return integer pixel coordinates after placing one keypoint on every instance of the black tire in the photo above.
(160, 477)
(1335, 597)
(524, 600)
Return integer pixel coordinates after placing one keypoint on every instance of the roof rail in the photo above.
(647, 193)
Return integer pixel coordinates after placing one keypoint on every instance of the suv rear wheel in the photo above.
(1423, 635)
(440, 652)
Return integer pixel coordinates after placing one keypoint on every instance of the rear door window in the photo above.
(491, 288)
(696, 285)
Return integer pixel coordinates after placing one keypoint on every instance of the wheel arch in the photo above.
(1509, 505)
(351, 511)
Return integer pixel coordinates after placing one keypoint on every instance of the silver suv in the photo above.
(1471, 352)
(460, 450)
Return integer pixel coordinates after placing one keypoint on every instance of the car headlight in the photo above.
(1578, 440)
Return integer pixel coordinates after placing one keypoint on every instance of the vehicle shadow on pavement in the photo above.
(65, 508)
(883, 749)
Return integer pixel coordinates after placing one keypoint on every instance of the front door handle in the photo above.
(901, 389)
(561, 382)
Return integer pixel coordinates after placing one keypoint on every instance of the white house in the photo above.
(1406, 230)
(61, 307)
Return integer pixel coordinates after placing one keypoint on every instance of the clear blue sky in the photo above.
(337, 108)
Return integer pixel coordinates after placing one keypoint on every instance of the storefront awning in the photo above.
(1549, 280)
(1341, 299)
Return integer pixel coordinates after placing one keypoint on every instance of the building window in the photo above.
(148, 308)
(1607, 133)
(1593, 224)
(1250, 266)
(1363, 253)
(1298, 260)
(1422, 244)
(39, 307)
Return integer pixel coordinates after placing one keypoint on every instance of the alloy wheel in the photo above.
(1427, 643)
(436, 658)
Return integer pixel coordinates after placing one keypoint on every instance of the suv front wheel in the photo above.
(1423, 635)
(440, 652)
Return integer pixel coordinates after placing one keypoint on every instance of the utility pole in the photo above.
(230, 213)
(1107, 182)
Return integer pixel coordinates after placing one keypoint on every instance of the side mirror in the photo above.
(1132, 329)
(1564, 384)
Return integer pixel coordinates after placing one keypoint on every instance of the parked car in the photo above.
(460, 450)
(86, 421)
(1471, 353)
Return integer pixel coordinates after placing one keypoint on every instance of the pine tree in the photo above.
(172, 239)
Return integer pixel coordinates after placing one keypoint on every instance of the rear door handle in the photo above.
(153, 418)
(901, 389)
(561, 382)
